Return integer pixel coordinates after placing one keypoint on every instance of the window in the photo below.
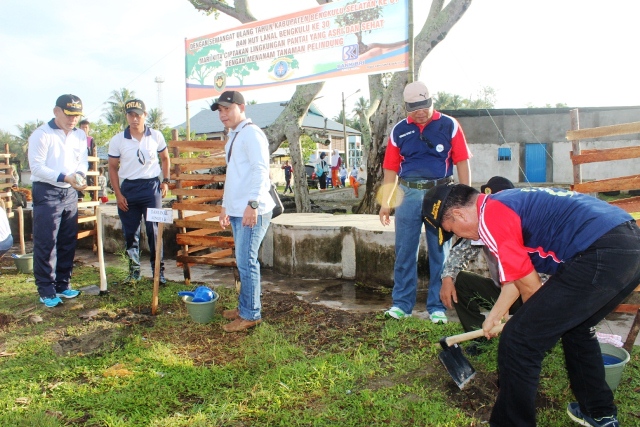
(504, 154)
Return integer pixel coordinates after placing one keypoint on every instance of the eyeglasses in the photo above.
(141, 158)
(425, 139)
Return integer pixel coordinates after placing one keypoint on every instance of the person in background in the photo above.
(58, 162)
(6, 239)
(287, 176)
(134, 168)
(343, 175)
(591, 250)
(15, 178)
(322, 167)
(102, 183)
(421, 153)
(353, 180)
(246, 204)
(336, 162)
(85, 126)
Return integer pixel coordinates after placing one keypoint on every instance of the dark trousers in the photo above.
(475, 294)
(55, 233)
(323, 180)
(568, 306)
(141, 194)
(288, 185)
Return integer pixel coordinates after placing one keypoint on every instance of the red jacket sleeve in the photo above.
(500, 229)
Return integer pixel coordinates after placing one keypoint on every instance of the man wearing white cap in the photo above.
(421, 153)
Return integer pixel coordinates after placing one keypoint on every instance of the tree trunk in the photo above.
(288, 126)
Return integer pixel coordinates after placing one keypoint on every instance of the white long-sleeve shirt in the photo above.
(53, 155)
(247, 170)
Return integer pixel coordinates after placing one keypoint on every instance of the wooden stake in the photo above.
(101, 266)
(156, 269)
(21, 229)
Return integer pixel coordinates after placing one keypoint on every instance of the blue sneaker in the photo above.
(573, 409)
(68, 293)
(51, 302)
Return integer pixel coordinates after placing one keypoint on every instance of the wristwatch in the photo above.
(253, 204)
(165, 181)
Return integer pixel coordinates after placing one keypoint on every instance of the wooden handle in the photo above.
(455, 339)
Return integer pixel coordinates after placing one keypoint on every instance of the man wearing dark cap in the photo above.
(421, 152)
(58, 162)
(246, 204)
(591, 250)
(134, 171)
(470, 293)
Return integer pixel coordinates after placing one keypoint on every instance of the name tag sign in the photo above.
(160, 215)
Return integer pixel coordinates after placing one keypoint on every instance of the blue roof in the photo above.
(263, 115)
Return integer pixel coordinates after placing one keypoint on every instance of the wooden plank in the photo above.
(5, 155)
(605, 155)
(201, 216)
(207, 145)
(197, 192)
(199, 161)
(6, 176)
(4, 185)
(86, 233)
(199, 167)
(611, 184)
(603, 131)
(201, 177)
(630, 205)
(212, 225)
(82, 219)
(627, 308)
(198, 207)
(210, 241)
(224, 262)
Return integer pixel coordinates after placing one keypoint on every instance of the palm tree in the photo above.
(25, 132)
(156, 120)
(115, 112)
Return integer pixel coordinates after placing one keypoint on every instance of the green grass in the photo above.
(171, 372)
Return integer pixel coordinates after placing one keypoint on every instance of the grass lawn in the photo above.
(105, 361)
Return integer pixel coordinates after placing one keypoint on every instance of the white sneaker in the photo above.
(438, 317)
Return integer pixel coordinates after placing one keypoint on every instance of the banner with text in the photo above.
(333, 40)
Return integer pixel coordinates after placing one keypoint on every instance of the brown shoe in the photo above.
(232, 314)
(240, 324)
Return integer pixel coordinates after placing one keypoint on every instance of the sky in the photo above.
(577, 52)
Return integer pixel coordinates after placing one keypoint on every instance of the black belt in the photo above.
(426, 185)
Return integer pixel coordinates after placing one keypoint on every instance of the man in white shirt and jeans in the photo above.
(58, 162)
(246, 205)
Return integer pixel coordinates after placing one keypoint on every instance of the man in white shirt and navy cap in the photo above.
(58, 162)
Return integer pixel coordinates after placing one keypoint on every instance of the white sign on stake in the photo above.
(160, 215)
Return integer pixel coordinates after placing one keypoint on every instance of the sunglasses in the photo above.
(141, 158)
(425, 139)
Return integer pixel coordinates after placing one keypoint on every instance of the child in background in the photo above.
(102, 183)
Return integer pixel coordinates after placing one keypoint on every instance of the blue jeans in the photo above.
(408, 224)
(247, 243)
(140, 194)
(568, 306)
(55, 233)
(6, 244)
